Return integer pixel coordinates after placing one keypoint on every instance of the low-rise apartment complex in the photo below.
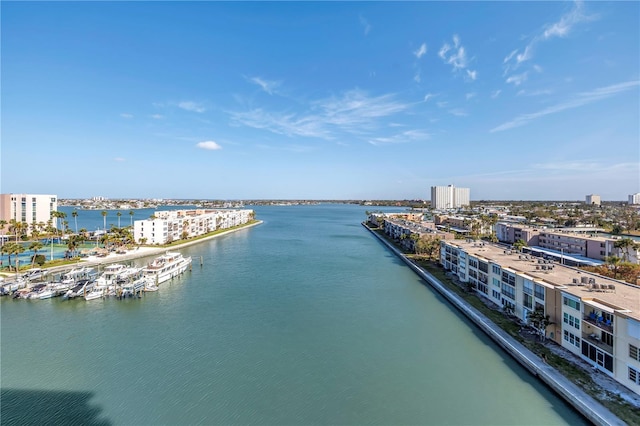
(594, 317)
(566, 242)
(171, 225)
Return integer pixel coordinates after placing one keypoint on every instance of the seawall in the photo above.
(580, 400)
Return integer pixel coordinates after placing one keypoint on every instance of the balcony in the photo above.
(594, 339)
(596, 319)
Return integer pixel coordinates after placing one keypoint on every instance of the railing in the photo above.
(594, 339)
(599, 322)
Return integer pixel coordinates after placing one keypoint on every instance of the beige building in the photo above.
(172, 225)
(27, 208)
(596, 318)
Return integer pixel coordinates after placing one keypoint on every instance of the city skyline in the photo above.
(517, 101)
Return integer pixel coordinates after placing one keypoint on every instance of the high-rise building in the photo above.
(449, 197)
(27, 208)
(634, 198)
(593, 200)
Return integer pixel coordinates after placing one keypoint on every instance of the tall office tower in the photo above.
(593, 200)
(449, 197)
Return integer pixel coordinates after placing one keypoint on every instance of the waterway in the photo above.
(304, 319)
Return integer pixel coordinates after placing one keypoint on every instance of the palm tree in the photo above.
(625, 245)
(119, 214)
(35, 246)
(8, 249)
(75, 218)
(131, 218)
(519, 245)
(104, 219)
(17, 249)
(614, 263)
(3, 223)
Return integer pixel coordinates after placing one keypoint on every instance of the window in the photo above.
(528, 287)
(634, 353)
(495, 269)
(539, 291)
(571, 303)
(495, 282)
(571, 320)
(509, 291)
(495, 294)
(572, 338)
(634, 376)
(528, 301)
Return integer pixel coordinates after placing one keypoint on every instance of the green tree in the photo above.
(119, 214)
(519, 245)
(539, 321)
(35, 246)
(75, 219)
(614, 264)
(625, 245)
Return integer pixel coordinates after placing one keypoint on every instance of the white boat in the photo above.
(47, 293)
(165, 267)
(80, 289)
(110, 275)
(35, 274)
(95, 293)
(150, 286)
(77, 274)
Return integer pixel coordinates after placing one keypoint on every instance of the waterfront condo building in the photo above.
(593, 200)
(172, 225)
(594, 317)
(449, 197)
(634, 198)
(29, 208)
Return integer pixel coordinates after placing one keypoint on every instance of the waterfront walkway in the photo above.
(138, 252)
(580, 400)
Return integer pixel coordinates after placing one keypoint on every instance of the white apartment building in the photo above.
(634, 198)
(172, 225)
(594, 317)
(449, 197)
(27, 208)
(593, 200)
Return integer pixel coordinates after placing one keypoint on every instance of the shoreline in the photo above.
(136, 253)
(586, 405)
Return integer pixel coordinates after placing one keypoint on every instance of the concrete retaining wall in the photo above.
(581, 401)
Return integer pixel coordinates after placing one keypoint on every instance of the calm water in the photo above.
(305, 319)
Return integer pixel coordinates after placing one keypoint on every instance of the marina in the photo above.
(116, 280)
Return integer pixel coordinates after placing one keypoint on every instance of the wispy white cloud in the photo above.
(518, 79)
(266, 85)
(442, 104)
(496, 93)
(354, 112)
(470, 95)
(126, 115)
(209, 145)
(157, 116)
(456, 56)
(365, 25)
(428, 96)
(422, 50)
(192, 106)
(539, 92)
(561, 28)
(119, 159)
(458, 112)
(404, 137)
(417, 77)
(579, 100)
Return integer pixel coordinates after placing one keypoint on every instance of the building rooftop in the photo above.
(623, 298)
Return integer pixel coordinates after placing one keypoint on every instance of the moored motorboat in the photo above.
(165, 267)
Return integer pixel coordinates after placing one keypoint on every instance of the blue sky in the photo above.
(329, 100)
